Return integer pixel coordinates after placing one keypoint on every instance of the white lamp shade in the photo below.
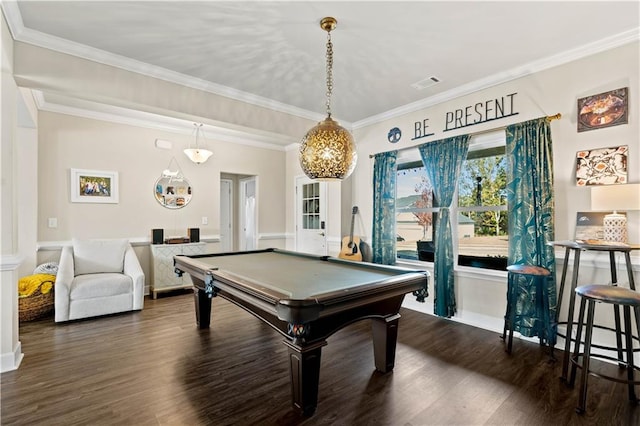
(198, 155)
(615, 197)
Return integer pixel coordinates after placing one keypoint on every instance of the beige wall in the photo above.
(10, 258)
(481, 294)
(72, 142)
(67, 142)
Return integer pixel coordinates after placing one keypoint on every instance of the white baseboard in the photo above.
(11, 360)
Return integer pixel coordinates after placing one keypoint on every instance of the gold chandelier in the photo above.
(328, 151)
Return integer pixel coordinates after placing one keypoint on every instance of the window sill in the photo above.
(460, 271)
(471, 272)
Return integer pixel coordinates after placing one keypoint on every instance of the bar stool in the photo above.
(540, 276)
(616, 296)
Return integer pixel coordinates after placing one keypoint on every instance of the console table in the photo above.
(577, 247)
(163, 277)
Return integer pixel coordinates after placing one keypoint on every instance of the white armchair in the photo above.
(98, 277)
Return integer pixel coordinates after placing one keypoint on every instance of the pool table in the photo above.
(306, 298)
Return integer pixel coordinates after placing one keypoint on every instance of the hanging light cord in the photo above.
(198, 130)
(329, 72)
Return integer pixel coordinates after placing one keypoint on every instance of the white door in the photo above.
(226, 215)
(311, 213)
(248, 214)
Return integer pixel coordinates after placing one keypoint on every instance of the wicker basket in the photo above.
(35, 306)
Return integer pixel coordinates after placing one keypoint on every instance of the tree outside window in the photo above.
(492, 185)
(424, 201)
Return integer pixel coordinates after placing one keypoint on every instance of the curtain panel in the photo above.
(383, 235)
(442, 160)
(531, 207)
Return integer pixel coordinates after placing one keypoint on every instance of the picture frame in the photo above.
(603, 110)
(590, 226)
(94, 186)
(602, 166)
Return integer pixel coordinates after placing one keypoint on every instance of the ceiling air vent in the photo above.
(427, 82)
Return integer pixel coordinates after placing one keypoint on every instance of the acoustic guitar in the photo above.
(350, 247)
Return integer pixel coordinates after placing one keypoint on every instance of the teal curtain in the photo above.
(530, 203)
(383, 239)
(442, 160)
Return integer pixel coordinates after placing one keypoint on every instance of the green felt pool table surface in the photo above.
(294, 276)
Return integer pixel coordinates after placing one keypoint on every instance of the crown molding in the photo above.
(217, 131)
(26, 35)
(13, 17)
(602, 45)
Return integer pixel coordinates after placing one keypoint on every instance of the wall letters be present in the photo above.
(480, 112)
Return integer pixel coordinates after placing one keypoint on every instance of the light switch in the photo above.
(53, 222)
(205, 220)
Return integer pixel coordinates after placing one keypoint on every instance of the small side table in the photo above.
(577, 247)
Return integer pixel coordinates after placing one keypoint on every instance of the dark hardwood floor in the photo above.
(155, 367)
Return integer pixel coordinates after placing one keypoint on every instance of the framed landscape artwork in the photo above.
(590, 225)
(603, 110)
(94, 186)
(602, 166)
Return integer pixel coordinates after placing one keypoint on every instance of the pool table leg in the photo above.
(203, 308)
(304, 367)
(385, 335)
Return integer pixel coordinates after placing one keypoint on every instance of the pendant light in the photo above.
(197, 154)
(328, 152)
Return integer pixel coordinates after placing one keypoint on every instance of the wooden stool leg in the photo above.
(582, 399)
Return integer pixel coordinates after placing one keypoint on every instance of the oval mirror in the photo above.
(172, 192)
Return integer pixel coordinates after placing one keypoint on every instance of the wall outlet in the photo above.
(205, 220)
(53, 222)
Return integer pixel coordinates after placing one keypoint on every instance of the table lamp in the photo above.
(615, 197)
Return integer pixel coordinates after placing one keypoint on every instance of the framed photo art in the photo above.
(590, 225)
(603, 110)
(602, 166)
(94, 186)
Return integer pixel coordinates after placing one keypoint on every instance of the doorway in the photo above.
(311, 214)
(226, 215)
(248, 203)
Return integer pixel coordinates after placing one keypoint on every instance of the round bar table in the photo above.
(577, 246)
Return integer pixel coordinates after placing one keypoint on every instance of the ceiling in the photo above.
(274, 52)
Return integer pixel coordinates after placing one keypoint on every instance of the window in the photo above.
(311, 206)
(479, 206)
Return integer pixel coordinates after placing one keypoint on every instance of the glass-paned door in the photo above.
(311, 213)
